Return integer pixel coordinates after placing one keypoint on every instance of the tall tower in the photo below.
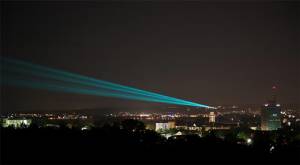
(274, 95)
(270, 113)
(212, 117)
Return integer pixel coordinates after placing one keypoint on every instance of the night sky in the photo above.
(210, 53)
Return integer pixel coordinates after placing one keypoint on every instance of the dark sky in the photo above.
(207, 52)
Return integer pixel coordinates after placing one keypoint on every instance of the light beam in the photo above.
(99, 87)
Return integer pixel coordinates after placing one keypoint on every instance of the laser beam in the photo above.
(72, 89)
(100, 87)
(45, 71)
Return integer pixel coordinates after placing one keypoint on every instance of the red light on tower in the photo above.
(274, 87)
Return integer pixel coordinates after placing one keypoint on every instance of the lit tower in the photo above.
(212, 117)
(270, 113)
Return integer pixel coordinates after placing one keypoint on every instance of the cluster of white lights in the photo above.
(277, 105)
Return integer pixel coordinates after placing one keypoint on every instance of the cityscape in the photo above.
(150, 82)
(278, 125)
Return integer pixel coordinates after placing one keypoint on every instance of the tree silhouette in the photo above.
(133, 125)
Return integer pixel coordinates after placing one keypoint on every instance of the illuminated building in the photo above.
(212, 117)
(161, 126)
(270, 114)
(17, 123)
(164, 126)
(171, 124)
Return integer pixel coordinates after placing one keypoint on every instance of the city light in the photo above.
(249, 141)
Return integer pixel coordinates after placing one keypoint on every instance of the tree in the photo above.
(133, 125)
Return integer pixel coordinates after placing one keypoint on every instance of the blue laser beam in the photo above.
(66, 88)
(45, 72)
(99, 83)
(83, 83)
